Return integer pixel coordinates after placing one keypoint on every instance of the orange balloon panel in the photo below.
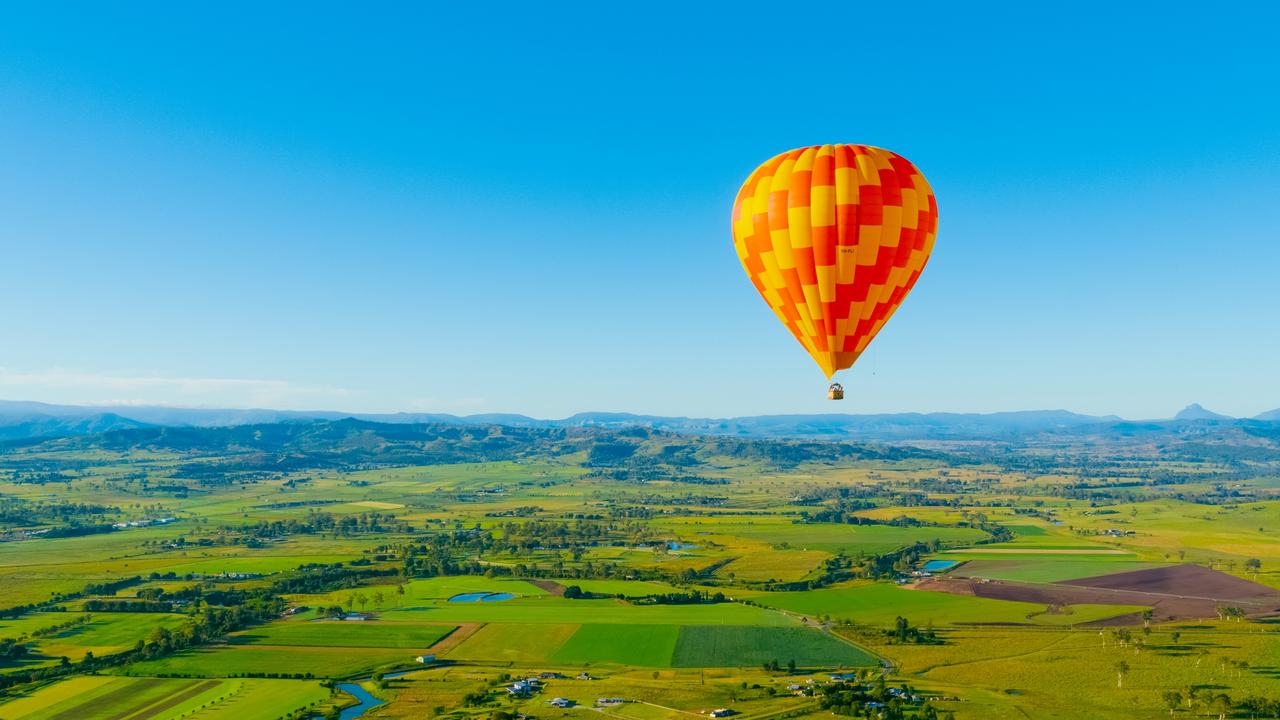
(834, 237)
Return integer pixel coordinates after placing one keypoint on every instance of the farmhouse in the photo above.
(722, 712)
(560, 702)
(523, 688)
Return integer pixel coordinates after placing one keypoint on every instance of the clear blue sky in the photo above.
(524, 208)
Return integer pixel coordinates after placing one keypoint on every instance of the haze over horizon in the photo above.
(201, 210)
(1191, 411)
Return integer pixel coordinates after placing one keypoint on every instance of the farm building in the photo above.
(523, 688)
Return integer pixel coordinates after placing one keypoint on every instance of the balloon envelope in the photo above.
(834, 237)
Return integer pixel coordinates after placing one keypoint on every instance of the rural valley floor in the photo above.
(246, 573)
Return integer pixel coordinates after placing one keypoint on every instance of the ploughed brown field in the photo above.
(550, 586)
(1178, 592)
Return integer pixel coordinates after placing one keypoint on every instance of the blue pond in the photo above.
(939, 565)
(673, 545)
(481, 597)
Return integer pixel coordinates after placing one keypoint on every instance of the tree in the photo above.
(1172, 699)
(1122, 669)
(900, 628)
(1175, 635)
(1253, 565)
(1222, 705)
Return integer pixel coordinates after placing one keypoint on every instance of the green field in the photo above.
(657, 646)
(356, 634)
(640, 645)
(231, 660)
(743, 646)
(556, 610)
(507, 642)
(1044, 568)
(102, 634)
(118, 698)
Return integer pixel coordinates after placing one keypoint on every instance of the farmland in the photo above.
(691, 573)
(159, 699)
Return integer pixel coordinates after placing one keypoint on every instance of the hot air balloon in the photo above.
(834, 237)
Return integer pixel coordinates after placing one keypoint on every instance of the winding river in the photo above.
(367, 699)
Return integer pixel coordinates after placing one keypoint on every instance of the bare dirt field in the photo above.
(550, 586)
(1183, 580)
(1181, 592)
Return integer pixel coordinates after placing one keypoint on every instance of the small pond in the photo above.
(481, 597)
(939, 565)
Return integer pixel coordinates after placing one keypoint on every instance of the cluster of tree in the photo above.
(693, 597)
(215, 622)
(904, 632)
(875, 701)
(18, 511)
(319, 578)
(521, 537)
(11, 649)
(1258, 706)
(41, 478)
(521, 511)
(843, 512)
(317, 522)
(1203, 701)
(126, 605)
(298, 503)
(77, 530)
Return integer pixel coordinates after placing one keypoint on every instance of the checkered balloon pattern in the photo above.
(834, 237)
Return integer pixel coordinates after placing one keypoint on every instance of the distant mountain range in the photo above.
(23, 420)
